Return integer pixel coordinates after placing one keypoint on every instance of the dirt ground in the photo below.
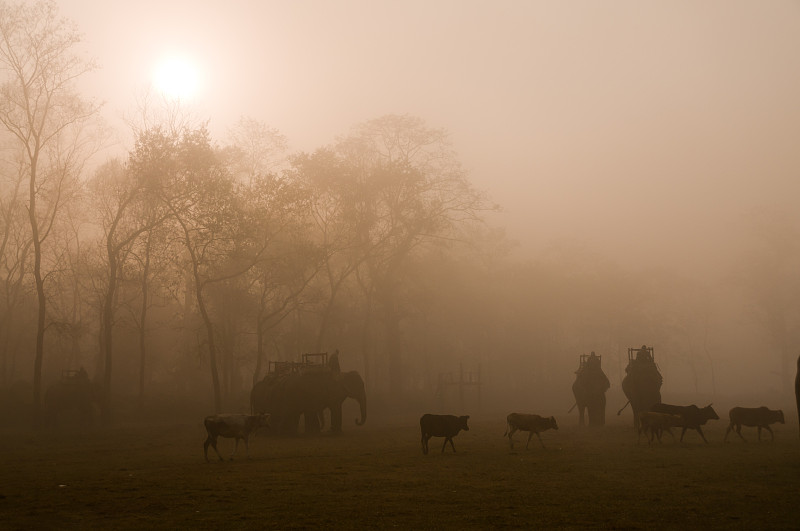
(138, 476)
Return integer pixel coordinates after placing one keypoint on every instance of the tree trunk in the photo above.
(212, 350)
(143, 321)
(108, 320)
(40, 296)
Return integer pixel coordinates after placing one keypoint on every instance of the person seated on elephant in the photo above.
(643, 354)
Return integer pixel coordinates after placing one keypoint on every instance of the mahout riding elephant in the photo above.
(71, 399)
(642, 383)
(287, 396)
(589, 388)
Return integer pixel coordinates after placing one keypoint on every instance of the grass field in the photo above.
(139, 476)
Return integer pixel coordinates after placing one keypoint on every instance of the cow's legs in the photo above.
(425, 444)
(530, 434)
(700, 431)
(451, 444)
(213, 442)
(511, 431)
(772, 435)
(540, 439)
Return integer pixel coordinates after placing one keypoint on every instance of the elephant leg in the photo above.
(290, 423)
(601, 411)
(336, 418)
(312, 421)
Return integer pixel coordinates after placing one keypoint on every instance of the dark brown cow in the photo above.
(530, 423)
(232, 426)
(693, 416)
(446, 426)
(760, 417)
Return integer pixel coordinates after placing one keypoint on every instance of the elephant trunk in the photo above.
(362, 402)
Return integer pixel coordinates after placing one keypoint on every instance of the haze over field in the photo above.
(644, 156)
(646, 130)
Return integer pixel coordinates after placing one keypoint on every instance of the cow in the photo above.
(232, 426)
(760, 417)
(530, 423)
(655, 424)
(692, 416)
(446, 426)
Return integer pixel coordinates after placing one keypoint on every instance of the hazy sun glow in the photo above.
(177, 77)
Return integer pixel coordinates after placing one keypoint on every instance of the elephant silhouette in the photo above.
(642, 383)
(71, 400)
(589, 389)
(288, 396)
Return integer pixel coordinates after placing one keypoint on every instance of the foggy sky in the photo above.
(644, 130)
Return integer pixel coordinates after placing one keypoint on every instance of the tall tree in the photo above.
(15, 247)
(41, 110)
(411, 191)
(126, 201)
(211, 222)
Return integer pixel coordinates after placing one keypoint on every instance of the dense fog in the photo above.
(440, 191)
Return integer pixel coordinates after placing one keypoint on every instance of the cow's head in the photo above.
(462, 422)
(553, 423)
(709, 413)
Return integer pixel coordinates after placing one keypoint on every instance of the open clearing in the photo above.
(139, 476)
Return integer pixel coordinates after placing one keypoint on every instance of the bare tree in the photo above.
(46, 117)
(389, 187)
(259, 149)
(126, 201)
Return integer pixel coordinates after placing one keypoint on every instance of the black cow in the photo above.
(446, 426)
(693, 416)
(760, 417)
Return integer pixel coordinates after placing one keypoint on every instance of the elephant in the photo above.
(589, 388)
(797, 386)
(642, 384)
(71, 399)
(287, 396)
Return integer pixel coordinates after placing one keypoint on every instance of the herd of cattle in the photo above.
(661, 418)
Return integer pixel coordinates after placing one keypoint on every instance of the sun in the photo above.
(177, 77)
